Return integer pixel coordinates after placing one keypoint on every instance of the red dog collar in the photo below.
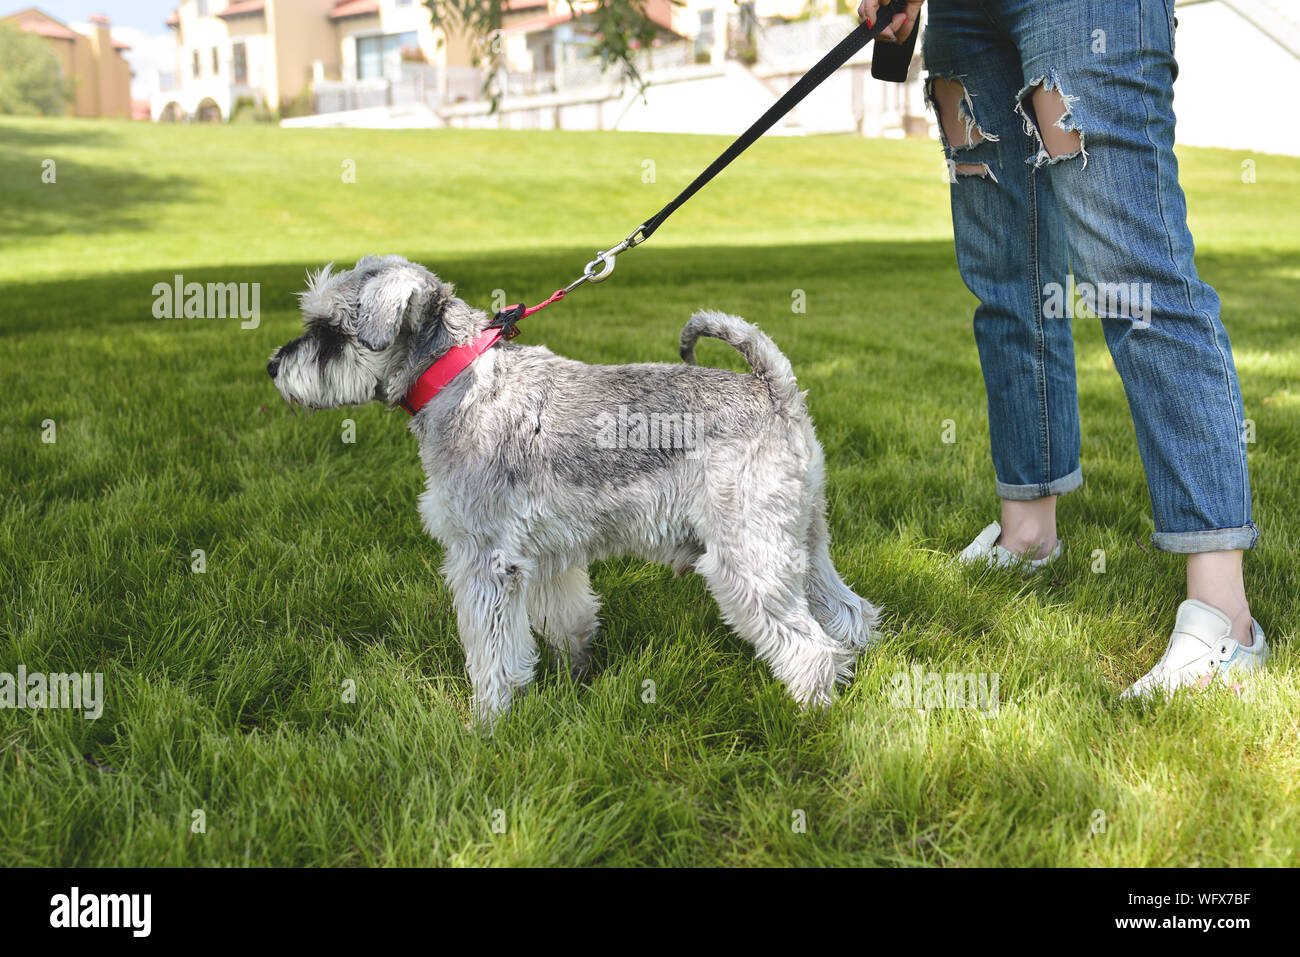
(459, 358)
(439, 375)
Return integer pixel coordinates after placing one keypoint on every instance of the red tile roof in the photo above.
(243, 6)
(532, 24)
(353, 8)
(660, 13)
(174, 18)
(33, 21)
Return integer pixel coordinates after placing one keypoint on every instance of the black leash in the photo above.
(824, 67)
(893, 66)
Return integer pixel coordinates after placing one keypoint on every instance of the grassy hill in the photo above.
(225, 691)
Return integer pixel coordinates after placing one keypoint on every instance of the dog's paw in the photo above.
(578, 665)
(856, 623)
(868, 632)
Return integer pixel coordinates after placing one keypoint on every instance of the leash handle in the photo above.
(892, 62)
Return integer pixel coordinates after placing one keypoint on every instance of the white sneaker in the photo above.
(1200, 648)
(985, 550)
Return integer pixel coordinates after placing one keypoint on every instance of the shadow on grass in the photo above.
(84, 198)
(896, 295)
(725, 277)
(38, 136)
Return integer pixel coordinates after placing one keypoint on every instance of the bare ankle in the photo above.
(1215, 578)
(1243, 628)
(1028, 543)
(1029, 528)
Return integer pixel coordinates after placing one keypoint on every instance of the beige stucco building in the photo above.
(540, 35)
(271, 51)
(101, 77)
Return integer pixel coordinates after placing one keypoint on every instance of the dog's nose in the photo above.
(273, 366)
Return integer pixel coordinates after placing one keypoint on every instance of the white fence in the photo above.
(683, 95)
(791, 47)
(411, 84)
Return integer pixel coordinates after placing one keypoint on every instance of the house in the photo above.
(102, 78)
(256, 50)
(706, 22)
(548, 37)
(271, 52)
(370, 35)
(277, 54)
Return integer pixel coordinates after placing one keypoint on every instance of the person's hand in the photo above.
(900, 26)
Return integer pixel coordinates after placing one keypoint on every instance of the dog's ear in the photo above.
(390, 296)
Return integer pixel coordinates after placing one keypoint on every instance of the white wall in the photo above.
(1234, 84)
(727, 101)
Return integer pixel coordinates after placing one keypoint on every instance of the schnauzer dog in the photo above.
(538, 465)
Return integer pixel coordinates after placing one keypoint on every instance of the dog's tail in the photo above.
(768, 362)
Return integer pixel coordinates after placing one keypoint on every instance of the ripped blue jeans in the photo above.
(1099, 231)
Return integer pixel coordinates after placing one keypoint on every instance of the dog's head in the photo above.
(370, 331)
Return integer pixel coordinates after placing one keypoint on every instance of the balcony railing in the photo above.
(407, 84)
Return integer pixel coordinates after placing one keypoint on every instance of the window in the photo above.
(748, 19)
(705, 38)
(216, 63)
(203, 8)
(196, 62)
(373, 53)
(239, 56)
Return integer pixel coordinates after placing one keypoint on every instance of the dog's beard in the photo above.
(318, 375)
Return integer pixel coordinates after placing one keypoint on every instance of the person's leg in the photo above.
(1008, 236)
(1104, 114)
(1216, 579)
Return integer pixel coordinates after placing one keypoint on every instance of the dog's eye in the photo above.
(329, 344)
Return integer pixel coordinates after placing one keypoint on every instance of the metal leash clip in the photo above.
(605, 259)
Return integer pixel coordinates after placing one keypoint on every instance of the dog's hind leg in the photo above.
(562, 609)
(846, 616)
(490, 595)
(761, 595)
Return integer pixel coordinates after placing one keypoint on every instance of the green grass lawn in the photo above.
(225, 691)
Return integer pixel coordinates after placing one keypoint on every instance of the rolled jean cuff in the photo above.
(1027, 493)
(1210, 540)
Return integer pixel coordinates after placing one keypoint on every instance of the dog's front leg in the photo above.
(563, 609)
(490, 593)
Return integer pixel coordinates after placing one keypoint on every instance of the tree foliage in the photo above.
(31, 78)
(620, 28)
